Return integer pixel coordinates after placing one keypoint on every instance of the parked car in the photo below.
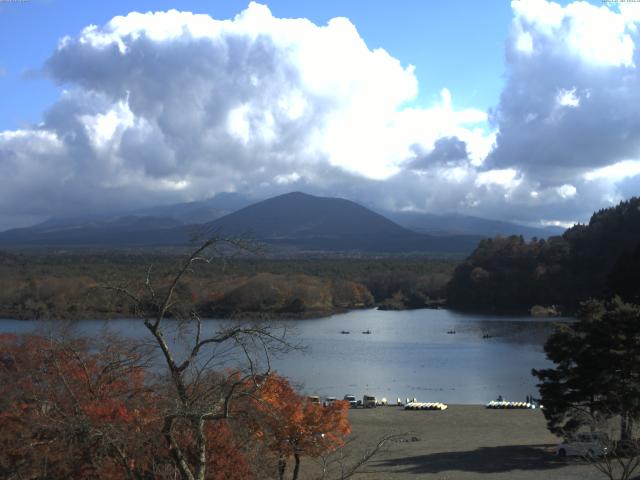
(353, 403)
(369, 401)
(585, 444)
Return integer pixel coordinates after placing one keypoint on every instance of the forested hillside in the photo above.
(72, 285)
(597, 260)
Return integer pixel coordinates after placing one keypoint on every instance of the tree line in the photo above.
(67, 285)
(598, 260)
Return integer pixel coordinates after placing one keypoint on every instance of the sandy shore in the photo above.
(462, 442)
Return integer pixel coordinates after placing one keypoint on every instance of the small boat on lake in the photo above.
(367, 332)
(345, 332)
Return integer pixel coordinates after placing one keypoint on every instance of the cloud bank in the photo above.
(172, 106)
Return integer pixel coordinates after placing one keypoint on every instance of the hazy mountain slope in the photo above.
(154, 226)
(117, 232)
(201, 211)
(466, 225)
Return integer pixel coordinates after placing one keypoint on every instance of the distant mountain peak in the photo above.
(328, 223)
(295, 220)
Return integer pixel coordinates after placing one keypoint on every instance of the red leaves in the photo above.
(293, 424)
(71, 410)
(109, 411)
(226, 459)
(64, 404)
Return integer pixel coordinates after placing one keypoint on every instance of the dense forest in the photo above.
(597, 260)
(503, 274)
(71, 285)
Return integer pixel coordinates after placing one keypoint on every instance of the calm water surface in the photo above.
(407, 354)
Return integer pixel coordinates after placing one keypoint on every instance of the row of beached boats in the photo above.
(426, 406)
(369, 401)
(503, 404)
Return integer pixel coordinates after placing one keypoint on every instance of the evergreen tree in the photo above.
(597, 260)
(597, 372)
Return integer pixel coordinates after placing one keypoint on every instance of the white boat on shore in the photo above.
(426, 406)
(503, 404)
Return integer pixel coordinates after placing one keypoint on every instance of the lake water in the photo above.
(407, 354)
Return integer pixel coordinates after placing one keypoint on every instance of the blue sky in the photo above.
(458, 45)
(523, 111)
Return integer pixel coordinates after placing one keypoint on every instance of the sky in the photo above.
(523, 111)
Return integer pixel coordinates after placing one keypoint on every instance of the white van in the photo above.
(585, 444)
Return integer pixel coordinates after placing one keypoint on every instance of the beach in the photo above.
(463, 442)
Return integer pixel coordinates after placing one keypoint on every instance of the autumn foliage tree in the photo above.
(294, 427)
(70, 408)
(200, 398)
(194, 408)
(69, 412)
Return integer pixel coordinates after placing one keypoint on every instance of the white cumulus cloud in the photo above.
(172, 106)
(567, 113)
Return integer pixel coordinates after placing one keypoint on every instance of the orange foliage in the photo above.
(229, 461)
(294, 425)
(68, 412)
(71, 410)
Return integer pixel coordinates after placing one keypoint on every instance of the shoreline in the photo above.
(276, 316)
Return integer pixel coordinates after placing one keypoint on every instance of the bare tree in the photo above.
(341, 464)
(622, 457)
(616, 444)
(209, 374)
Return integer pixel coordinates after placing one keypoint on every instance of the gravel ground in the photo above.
(462, 442)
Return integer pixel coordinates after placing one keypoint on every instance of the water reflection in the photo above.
(407, 354)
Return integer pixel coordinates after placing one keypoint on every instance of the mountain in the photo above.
(130, 230)
(167, 225)
(466, 225)
(320, 223)
(187, 213)
(292, 221)
(199, 212)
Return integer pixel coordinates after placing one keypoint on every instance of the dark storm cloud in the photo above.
(446, 151)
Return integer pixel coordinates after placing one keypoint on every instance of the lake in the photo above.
(407, 354)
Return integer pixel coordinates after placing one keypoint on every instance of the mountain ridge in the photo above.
(293, 220)
(326, 223)
(459, 224)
